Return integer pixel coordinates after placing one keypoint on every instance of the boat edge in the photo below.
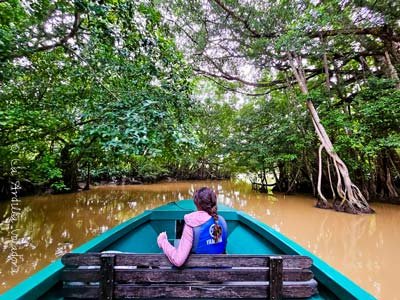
(326, 274)
(43, 280)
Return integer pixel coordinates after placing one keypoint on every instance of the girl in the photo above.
(205, 232)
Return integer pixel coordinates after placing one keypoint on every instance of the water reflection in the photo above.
(362, 247)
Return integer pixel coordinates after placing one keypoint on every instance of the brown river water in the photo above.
(365, 248)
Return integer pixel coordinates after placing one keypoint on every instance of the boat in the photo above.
(139, 235)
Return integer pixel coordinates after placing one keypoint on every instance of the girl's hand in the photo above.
(161, 237)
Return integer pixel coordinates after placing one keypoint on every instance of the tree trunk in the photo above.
(385, 188)
(392, 47)
(292, 183)
(310, 175)
(351, 198)
(281, 181)
(326, 69)
(69, 169)
(394, 158)
(87, 186)
(391, 70)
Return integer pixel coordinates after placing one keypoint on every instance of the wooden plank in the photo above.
(81, 259)
(252, 268)
(107, 276)
(83, 275)
(216, 275)
(299, 289)
(190, 291)
(207, 275)
(238, 290)
(275, 275)
(182, 275)
(81, 291)
(297, 275)
(194, 260)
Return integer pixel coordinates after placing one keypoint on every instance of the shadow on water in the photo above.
(362, 247)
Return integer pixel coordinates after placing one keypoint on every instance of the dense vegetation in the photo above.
(89, 87)
(93, 91)
(337, 59)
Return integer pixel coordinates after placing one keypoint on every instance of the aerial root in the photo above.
(350, 199)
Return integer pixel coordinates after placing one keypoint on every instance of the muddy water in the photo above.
(365, 248)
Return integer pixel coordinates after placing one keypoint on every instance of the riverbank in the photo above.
(28, 188)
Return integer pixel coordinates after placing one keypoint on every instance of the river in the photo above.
(365, 248)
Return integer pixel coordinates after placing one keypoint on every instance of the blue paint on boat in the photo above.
(246, 236)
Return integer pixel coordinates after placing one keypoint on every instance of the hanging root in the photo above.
(350, 199)
(353, 200)
(330, 179)
(322, 202)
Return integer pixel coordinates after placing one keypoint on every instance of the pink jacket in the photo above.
(177, 256)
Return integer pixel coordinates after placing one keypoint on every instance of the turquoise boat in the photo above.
(139, 235)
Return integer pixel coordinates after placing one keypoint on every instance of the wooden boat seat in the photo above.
(128, 275)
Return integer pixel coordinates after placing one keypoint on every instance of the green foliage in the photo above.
(331, 50)
(272, 134)
(59, 187)
(100, 87)
(370, 125)
(116, 87)
(379, 115)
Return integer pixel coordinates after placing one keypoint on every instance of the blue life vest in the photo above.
(203, 239)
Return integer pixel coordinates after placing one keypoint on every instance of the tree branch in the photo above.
(61, 42)
(236, 17)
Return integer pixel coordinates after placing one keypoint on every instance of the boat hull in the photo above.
(246, 236)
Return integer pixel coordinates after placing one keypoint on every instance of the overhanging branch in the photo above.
(61, 42)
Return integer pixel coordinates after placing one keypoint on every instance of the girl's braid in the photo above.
(206, 199)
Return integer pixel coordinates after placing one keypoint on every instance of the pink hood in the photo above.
(196, 218)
